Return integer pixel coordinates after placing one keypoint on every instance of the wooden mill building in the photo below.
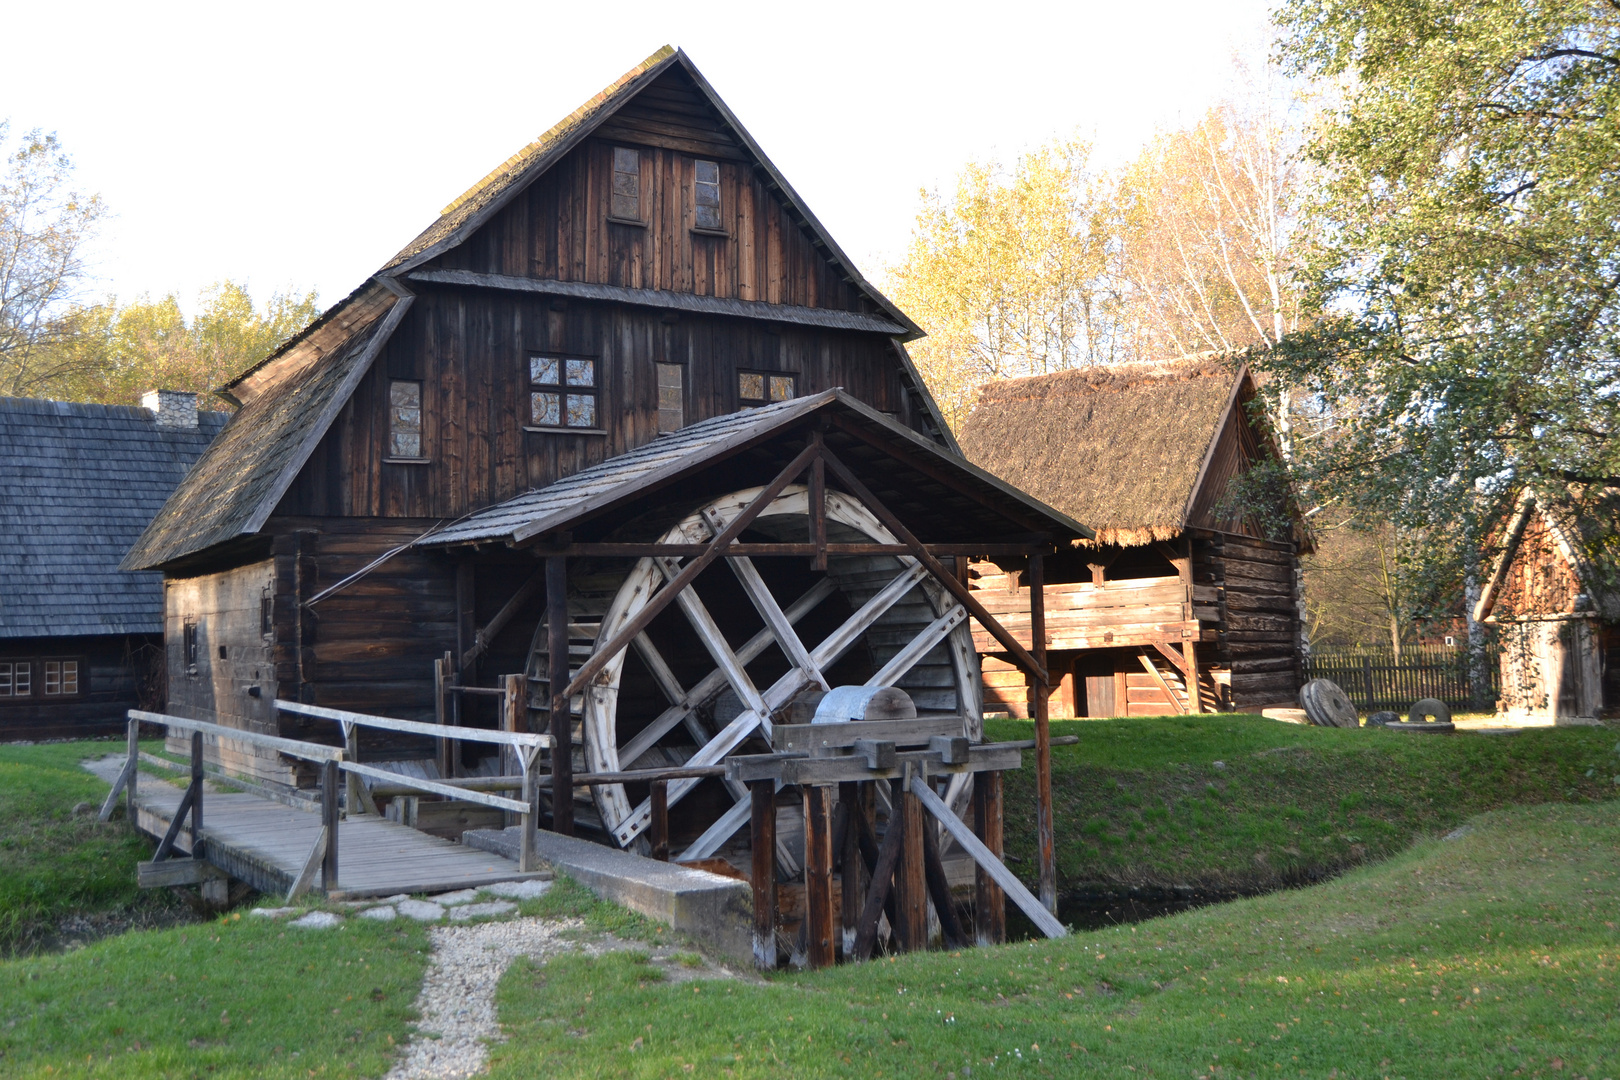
(80, 639)
(598, 359)
(1177, 580)
(1554, 595)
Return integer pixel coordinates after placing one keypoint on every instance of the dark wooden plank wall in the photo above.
(110, 666)
(470, 349)
(559, 229)
(1237, 447)
(1259, 630)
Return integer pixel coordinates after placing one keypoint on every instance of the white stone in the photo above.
(421, 910)
(317, 920)
(381, 914)
(461, 896)
(479, 911)
(272, 912)
(518, 890)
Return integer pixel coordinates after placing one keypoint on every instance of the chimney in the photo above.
(172, 408)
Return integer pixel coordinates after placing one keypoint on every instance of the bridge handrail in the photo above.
(417, 727)
(294, 747)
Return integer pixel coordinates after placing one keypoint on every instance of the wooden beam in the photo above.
(818, 858)
(939, 891)
(562, 727)
(968, 549)
(1046, 845)
(483, 637)
(1172, 655)
(877, 895)
(763, 878)
(659, 797)
(989, 903)
(661, 599)
(1158, 677)
(910, 876)
(818, 510)
(940, 573)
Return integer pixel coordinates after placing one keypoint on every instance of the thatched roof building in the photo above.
(1140, 451)
(1181, 574)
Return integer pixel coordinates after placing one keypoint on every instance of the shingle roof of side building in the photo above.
(78, 483)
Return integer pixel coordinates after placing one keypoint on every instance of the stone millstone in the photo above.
(1326, 705)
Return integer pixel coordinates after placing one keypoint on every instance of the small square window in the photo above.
(671, 397)
(706, 195)
(756, 388)
(562, 392)
(14, 678)
(626, 201)
(61, 677)
(404, 419)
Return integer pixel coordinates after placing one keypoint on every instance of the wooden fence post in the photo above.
(134, 771)
(197, 800)
(329, 819)
(1367, 674)
(514, 718)
(531, 817)
(658, 796)
(441, 679)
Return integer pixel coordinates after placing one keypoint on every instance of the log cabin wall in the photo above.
(470, 350)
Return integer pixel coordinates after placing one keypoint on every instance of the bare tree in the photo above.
(43, 229)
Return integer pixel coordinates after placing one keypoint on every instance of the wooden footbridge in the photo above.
(281, 844)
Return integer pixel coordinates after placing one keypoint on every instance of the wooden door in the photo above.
(1094, 685)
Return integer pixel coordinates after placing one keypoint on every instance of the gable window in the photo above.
(756, 388)
(562, 392)
(626, 202)
(405, 420)
(671, 397)
(61, 678)
(16, 678)
(706, 196)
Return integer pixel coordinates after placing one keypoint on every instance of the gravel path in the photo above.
(458, 992)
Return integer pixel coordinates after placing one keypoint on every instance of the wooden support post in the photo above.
(658, 796)
(514, 718)
(1046, 844)
(818, 875)
(329, 820)
(939, 890)
(879, 894)
(351, 781)
(134, 740)
(197, 802)
(441, 710)
(530, 819)
(763, 877)
(851, 796)
(990, 904)
(911, 878)
(562, 724)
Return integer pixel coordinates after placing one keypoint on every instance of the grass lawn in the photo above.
(56, 865)
(235, 997)
(1140, 802)
(1492, 954)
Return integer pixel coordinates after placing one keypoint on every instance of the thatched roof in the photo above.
(1121, 447)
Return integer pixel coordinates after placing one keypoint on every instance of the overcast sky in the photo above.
(295, 144)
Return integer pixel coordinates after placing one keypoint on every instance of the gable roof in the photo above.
(642, 472)
(77, 484)
(1122, 447)
(236, 484)
(1575, 522)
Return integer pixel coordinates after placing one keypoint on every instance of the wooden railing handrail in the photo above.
(435, 787)
(308, 751)
(417, 727)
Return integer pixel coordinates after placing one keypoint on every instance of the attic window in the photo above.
(626, 202)
(562, 392)
(405, 420)
(756, 388)
(671, 397)
(706, 196)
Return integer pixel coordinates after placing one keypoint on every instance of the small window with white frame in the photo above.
(671, 397)
(706, 197)
(61, 678)
(16, 678)
(757, 388)
(563, 392)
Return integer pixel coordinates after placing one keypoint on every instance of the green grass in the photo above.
(1140, 802)
(1492, 954)
(56, 865)
(236, 997)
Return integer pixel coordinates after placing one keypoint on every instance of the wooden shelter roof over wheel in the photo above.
(863, 510)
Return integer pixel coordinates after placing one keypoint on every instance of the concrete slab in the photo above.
(716, 911)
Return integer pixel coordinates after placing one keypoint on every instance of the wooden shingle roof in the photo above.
(78, 483)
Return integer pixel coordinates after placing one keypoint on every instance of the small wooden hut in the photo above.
(1554, 593)
(1177, 580)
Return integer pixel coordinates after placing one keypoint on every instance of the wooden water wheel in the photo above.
(714, 670)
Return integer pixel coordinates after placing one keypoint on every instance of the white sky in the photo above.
(302, 144)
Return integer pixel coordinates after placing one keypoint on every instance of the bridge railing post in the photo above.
(197, 796)
(134, 768)
(329, 821)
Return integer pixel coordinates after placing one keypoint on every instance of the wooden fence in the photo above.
(1375, 680)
